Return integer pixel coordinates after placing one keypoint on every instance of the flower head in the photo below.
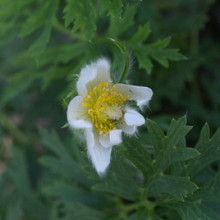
(101, 110)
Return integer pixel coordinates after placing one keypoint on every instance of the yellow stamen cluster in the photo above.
(105, 106)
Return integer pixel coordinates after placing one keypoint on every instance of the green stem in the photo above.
(126, 59)
(124, 210)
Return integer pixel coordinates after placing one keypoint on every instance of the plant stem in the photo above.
(126, 209)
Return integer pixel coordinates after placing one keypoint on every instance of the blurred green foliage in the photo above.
(45, 174)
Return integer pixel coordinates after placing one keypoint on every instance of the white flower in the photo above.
(101, 110)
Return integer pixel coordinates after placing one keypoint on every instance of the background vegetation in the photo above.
(44, 170)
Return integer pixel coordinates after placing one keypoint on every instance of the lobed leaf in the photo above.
(113, 7)
(156, 135)
(82, 15)
(117, 182)
(178, 187)
(177, 131)
(139, 156)
(209, 149)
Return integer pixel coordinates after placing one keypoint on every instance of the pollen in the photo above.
(105, 106)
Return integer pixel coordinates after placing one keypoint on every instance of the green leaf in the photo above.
(18, 172)
(14, 211)
(120, 24)
(203, 204)
(64, 52)
(178, 187)
(65, 158)
(18, 83)
(166, 149)
(209, 149)
(67, 193)
(141, 35)
(113, 7)
(174, 154)
(156, 135)
(82, 15)
(40, 44)
(37, 18)
(141, 214)
(117, 179)
(144, 61)
(192, 211)
(156, 50)
(139, 156)
(177, 131)
(125, 57)
(77, 210)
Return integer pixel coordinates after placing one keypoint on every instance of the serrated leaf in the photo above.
(40, 44)
(17, 84)
(64, 52)
(161, 43)
(174, 154)
(178, 187)
(209, 149)
(156, 51)
(141, 35)
(57, 166)
(203, 204)
(113, 7)
(119, 25)
(177, 130)
(139, 156)
(37, 18)
(67, 193)
(156, 134)
(166, 149)
(204, 136)
(194, 211)
(53, 142)
(82, 15)
(117, 179)
(144, 61)
(64, 163)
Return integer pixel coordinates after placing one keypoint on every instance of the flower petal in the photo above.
(111, 139)
(77, 114)
(140, 94)
(133, 118)
(130, 130)
(92, 75)
(99, 155)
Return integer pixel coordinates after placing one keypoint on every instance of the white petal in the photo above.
(92, 75)
(140, 94)
(115, 137)
(130, 130)
(99, 155)
(133, 118)
(77, 114)
(111, 139)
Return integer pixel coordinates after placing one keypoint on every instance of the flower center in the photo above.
(105, 106)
